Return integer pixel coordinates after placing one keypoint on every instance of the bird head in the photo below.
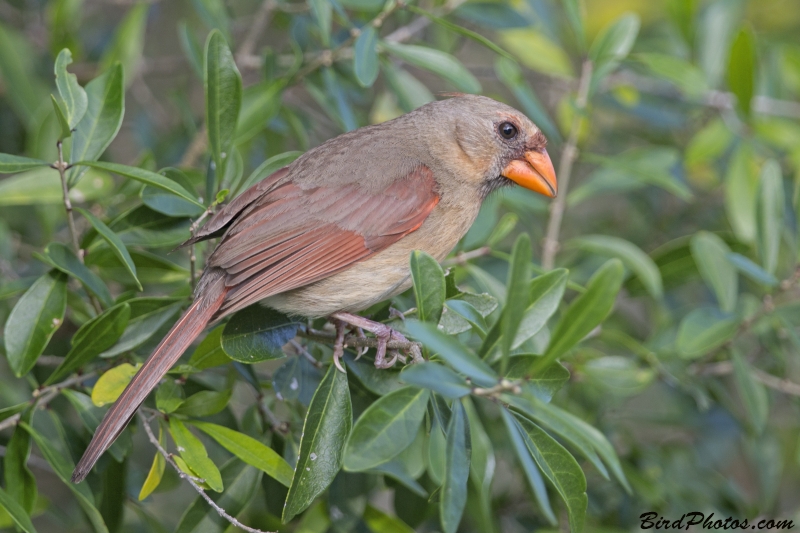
(499, 145)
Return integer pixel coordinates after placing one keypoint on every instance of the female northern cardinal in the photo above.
(332, 233)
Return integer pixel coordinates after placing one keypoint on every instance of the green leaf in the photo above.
(631, 256)
(386, 428)
(16, 512)
(257, 334)
(42, 186)
(90, 416)
(545, 296)
(128, 44)
(325, 430)
(377, 381)
(429, 286)
(145, 176)
(56, 453)
(585, 313)
(114, 242)
(34, 319)
(560, 468)
(532, 472)
(16, 163)
(741, 192)
(380, 522)
(66, 132)
(19, 69)
(411, 93)
(703, 330)
(101, 122)
(770, 215)
(517, 296)
(512, 77)
(437, 378)
(438, 62)
(453, 352)
(111, 384)
(752, 270)
(710, 254)
(167, 203)
(241, 485)
(268, 167)
(753, 394)
(74, 97)
(469, 313)
(209, 352)
(260, 103)
(62, 258)
(223, 89)
(365, 59)
(20, 481)
(538, 52)
(321, 10)
(142, 327)
(169, 396)
(153, 479)
(543, 385)
(204, 403)
(575, 12)
(250, 451)
(687, 77)
(458, 452)
(194, 453)
(613, 44)
(742, 69)
(93, 337)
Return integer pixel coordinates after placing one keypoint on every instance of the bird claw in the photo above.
(338, 345)
(382, 332)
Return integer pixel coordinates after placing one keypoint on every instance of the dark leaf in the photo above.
(429, 286)
(365, 60)
(16, 163)
(223, 89)
(257, 334)
(517, 296)
(437, 378)
(62, 258)
(456, 470)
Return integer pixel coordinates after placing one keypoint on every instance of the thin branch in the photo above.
(723, 368)
(260, 22)
(196, 148)
(568, 156)
(191, 480)
(43, 396)
(61, 166)
(357, 342)
(302, 351)
(462, 257)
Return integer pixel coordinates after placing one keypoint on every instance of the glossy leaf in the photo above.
(34, 319)
(703, 330)
(770, 215)
(268, 167)
(204, 403)
(144, 176)
(16, 163)
(156, 472)
(73, 96)
(249, 450)
(257, 334)
(56, 453)
(42, 186)
(194, 453)
(365, 60)
(438, 62)
(468, 312)
(585, 313)
(209, 352)
(385, 428)
(429, 286)
(19, 480)
(753, 394)
(532, 473)
(560, 468)
(631, 256)
(100, 124)
(325, 430)
(141, 327)
(437, 378)
(742, 69)
(62, 258)
(710, 254)
(91, 339)
(377, 381)
(543, 385)
(169, 396)
(453, 352)
(458, 452)
(111, 384)
(517, 296)
(223, 89)
(166, 202)
(16, 512)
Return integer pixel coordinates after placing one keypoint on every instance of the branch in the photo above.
(168, 458)
(462, 257)
(568, 156)
(44, 395)
(357, 342)
(260, 22)
(723, 368)
(61, 166)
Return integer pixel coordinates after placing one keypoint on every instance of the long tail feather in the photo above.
(186, 330)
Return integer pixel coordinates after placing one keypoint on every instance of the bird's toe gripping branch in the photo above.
(382, 332)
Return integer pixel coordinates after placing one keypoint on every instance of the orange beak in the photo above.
(536, 173)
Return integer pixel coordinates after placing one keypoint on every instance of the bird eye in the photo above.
(507, 130)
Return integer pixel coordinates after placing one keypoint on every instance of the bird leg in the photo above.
(338, 344)
(382, 332)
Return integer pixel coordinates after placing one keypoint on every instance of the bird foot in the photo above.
(381, 331)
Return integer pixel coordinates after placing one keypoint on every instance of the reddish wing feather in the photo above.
(289, 237)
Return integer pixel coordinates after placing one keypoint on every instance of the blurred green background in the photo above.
(682, 118)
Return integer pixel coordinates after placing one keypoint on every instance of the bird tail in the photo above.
(186, 330)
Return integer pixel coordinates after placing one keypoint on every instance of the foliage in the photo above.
(656, 369)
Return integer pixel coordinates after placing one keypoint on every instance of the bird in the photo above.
(331, 234)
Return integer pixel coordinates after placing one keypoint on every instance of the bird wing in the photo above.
(284, 236)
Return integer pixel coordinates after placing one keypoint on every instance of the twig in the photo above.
(261, 20)
(191, 480)
(462, 257)
(504, 386)
(568, 155)
(302, 351)
(357, 342)
(723, 368)
(61, 166)
(196, 148)
(44, 395)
